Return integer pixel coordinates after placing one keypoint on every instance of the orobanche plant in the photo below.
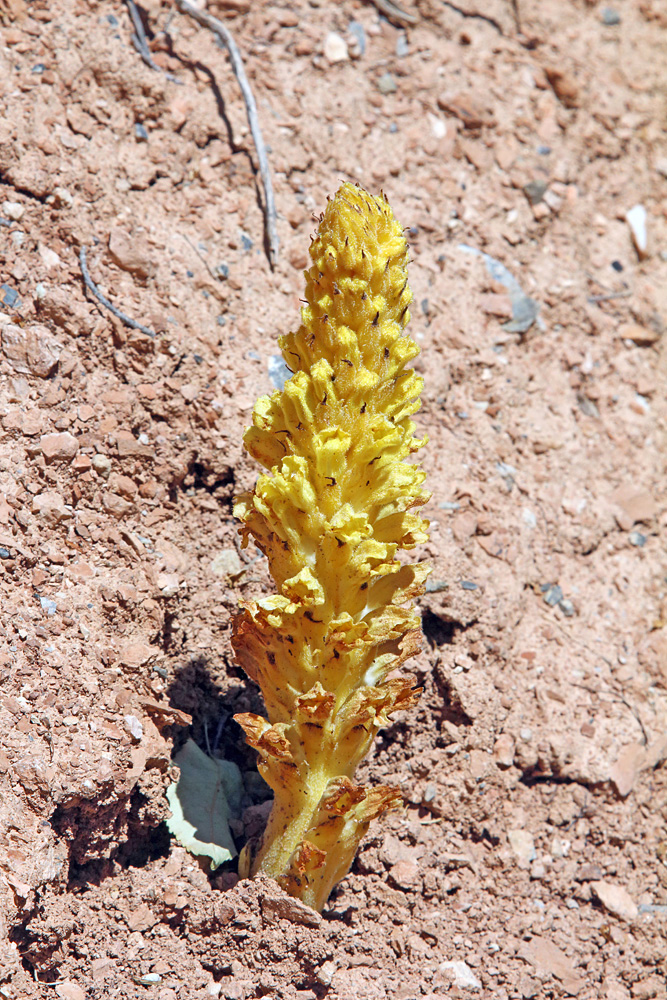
(331, 513)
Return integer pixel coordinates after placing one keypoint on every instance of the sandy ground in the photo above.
(531, 859)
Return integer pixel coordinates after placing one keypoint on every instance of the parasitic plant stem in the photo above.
(331, 512)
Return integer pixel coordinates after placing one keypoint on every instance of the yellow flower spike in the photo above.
(330, 515)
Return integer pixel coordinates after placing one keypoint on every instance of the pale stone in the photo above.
(616, 900)
(51, 508)
(168, 584)
(523, 845)
(134, 727)
(69, 990)
(636, 219)
(503, 750)
(30, 350)
(335, 48)
(460, 974)
(102, 465)
(13, 210)
(58, 447)
(286, 908)
(227, 563)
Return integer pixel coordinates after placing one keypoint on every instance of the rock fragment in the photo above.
(624, 772)
(227, 563)
(102, 465)
(564, 85)
(58, 447)
(276, 908)
(335, 48)
(460, 974)
(642, 336)
(503, 750)
(13, 210)
(523, 845)
(131, 253)
(636, 220)
(30, 350)
(616, 900)
(51, 508)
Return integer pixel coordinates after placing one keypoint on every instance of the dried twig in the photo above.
(216, 277)
(223, 34)
(474, 13)
(105, 302)
(610, 295)
(140, 42)
(394, 12)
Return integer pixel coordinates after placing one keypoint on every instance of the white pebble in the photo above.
(636, 219)
(13, 210)
(134, 727)
(335, 48)
(461, 975)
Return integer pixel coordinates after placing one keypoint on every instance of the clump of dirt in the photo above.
(512, 142)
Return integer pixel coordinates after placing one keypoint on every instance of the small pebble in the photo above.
(537, 870)
(468, 585)
(617, 266)
(505, 469)
(246, 242)
(102, 465)
(636, 219)
(227, 563)
(335, 48)
(38, 68)
(534, 191)
(636, 538)
(449, 505)
(528, 517)
(616, 899)
(150, 979)
(357, 44)
(429, 793)
(526, 734)
(4, 553)
(567, 607)
(134, 727)
(9, 297)
(610, 16)
(48, 605)
(13, 210)
(402, 46)
(140, 133)
(222, 270)
(553, 594)
(387, 84)
(460, 974)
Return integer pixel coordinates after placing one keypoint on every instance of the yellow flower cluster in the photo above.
(330, 514)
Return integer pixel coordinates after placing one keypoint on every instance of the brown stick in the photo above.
(219, 29)
(90, 284)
